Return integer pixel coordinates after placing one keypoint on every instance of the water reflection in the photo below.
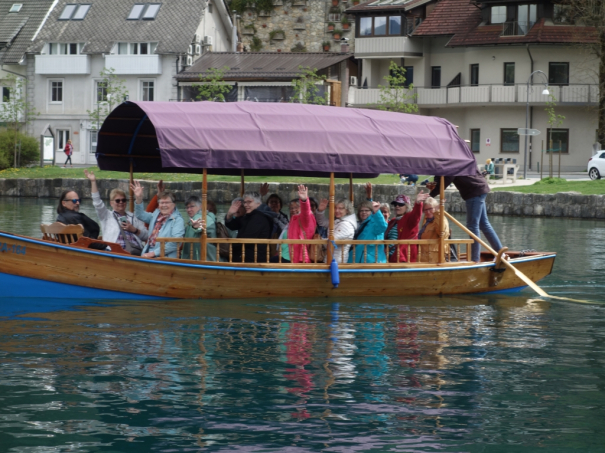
(430, 375)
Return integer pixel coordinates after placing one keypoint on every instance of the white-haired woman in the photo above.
(345, 225)
(431, 229)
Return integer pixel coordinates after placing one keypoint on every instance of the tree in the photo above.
(16, 112)
(213, 87)
(554, 121)
(397, 95)
(589, 13)
(29, 148)
(309, 88)
(111, 91)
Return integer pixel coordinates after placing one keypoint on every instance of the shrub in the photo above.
(30, 149)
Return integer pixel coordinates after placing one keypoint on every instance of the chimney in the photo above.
(344, 47)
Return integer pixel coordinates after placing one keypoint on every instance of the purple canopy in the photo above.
(278, 139)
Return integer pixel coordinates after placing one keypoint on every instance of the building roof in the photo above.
(386, 5)
(105, 24)
(462, 19)
(18, 28)
(273, 65)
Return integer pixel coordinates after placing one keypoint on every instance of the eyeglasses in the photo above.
(364, 210)
(399, 205)
(165, 202)
(75, 200)
(120, 200)
(248, 202)
(428, 209)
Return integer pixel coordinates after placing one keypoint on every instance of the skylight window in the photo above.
(16, 8)
(74, 11)
(145, 11)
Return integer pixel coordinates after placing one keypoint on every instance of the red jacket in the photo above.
(407, 228)
(69, 149)
(300, 253)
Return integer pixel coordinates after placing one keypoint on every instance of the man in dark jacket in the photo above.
(257, 223)
(69, 214)
(473, 190)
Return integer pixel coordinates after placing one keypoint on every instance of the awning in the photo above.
(278, 139)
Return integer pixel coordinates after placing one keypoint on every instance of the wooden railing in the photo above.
(340, 248)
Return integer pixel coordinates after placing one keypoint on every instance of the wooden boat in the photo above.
(265, 139)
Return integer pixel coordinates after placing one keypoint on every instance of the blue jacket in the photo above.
(375, 226)
(173, 228)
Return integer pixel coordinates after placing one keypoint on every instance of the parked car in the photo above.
(596, 165)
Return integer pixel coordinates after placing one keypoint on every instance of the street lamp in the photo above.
(544, 92)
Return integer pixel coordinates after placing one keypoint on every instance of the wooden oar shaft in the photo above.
(470, 233)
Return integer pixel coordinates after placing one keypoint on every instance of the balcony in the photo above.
(388, 47)
(484, 94)
(134, 64)
(62, 64)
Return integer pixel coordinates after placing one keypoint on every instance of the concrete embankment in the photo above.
(568, 204)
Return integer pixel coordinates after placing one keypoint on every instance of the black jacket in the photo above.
(91, 228)
(256, 225)
(468, 186)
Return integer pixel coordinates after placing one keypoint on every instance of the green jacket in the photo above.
(191, 232)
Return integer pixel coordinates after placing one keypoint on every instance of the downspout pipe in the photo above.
(531, 111)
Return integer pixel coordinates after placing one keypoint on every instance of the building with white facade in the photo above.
(470, 62)
(146, 45)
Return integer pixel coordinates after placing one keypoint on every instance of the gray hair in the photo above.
(386, 206)
(432, 202)
(193, 200)
(240, 199)
(349, 208)
(254, 195)
(167, 194)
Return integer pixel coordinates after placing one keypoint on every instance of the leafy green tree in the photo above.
(554, 120)
(111, 91)
(16, 112)
(397, 95)
(309, 87)
(213, 86)
(30, 148)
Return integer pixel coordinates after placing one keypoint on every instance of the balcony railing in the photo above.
(134, 64)
(62, 64)
(516, 28)
(385, 46)
(580, 94)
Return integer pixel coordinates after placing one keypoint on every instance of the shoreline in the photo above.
(564, 204)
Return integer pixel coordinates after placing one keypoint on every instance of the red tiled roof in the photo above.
(449, 18)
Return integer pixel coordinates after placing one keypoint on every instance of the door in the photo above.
(62, 137)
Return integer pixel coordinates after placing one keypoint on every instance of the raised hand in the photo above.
(369, 190)
(197, 224)
(90, 175)
(138, 191)
(264, 189)
(422, 196)
(161, 187)
(375, 206)
(323, 204)
(234, 207)
(303, 193)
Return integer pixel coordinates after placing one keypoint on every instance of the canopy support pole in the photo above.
(130, 191)
(331, 226)
(241, 187)
(351, 194)
(442, 220)
(204, 236)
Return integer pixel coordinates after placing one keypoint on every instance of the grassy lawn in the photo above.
(50, 172)
(556, 185)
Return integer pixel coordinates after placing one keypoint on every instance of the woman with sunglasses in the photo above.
(405, 226)
(69, 214)
(119, 225)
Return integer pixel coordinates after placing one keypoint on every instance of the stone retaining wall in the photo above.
(568, 204)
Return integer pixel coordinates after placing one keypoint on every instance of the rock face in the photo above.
(567, 204)
(304, 24)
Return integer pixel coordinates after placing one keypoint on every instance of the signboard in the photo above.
(488, 142)
(523, 131)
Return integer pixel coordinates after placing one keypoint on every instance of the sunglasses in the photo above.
(75, 200)
(398, 204)
(120, 200)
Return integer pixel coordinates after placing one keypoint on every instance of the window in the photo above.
(101, 91)
(55, 48)
(474, 75)
(334, 17)
(74, 11)
(561, 14)
(62, 137)
(145, 11)
(435, 76)
(526, 17)
(560, 140)
(209, 8)
(93, 141)
(16, 8)
(475, 140)
(137, 48)
(558, 73)
(498, 14)
(380, 26)
(409, 75)
(147, 90)
(509, 141)
(509, 74)
(56, 91)
(6, 94)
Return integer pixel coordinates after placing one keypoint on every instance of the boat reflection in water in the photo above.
(429, 375)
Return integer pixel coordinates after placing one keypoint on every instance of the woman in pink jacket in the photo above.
(301, 226)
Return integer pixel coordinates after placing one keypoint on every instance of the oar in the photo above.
(516, 271)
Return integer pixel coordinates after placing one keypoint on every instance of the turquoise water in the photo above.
(452, 374)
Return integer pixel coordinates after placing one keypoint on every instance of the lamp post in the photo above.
(545, 92)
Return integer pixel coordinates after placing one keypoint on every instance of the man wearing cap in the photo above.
(405, 226)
